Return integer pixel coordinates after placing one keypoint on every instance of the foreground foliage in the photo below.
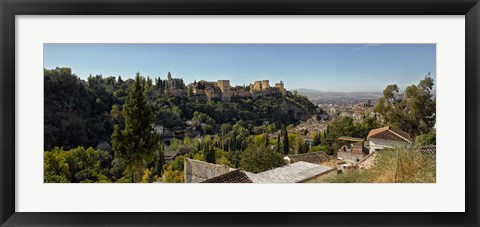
(76, 166)
(395, 166)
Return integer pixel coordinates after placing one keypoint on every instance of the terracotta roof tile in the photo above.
(403, 134)
(235, 176)
(315, 157)
(390, 134)
(377, 130)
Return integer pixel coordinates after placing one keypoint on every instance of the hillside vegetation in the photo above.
(82, 113)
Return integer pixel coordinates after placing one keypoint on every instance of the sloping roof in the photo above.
(353, 139)
(170, 154)
(292, 173)
(390, 134)
(315, 157)
(235, 176)
(376, 131)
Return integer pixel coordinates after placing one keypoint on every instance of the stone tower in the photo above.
(224, 86)
(280, 86)
(256, 86)
(265, 85)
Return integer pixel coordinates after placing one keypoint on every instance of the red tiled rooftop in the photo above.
(235, 176)
(390, 134)
(315, 157)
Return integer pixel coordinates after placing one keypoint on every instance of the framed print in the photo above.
(239, 113)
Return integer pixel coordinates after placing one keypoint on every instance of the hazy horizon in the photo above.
(322, 67)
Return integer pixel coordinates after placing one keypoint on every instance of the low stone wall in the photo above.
(197, 171)
(323, 177)
(350, 157)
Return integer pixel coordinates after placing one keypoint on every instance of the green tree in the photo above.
(177, 164)
(202, 118)
(412, 111)
(278, 147)
(210, 154)
(119, 171)
(426, 139)
(317, 140)
(85, 165)
(56, 169)
(159, 161)
(149, 83)
(72, 115)
(225, 128)
(366, 124)
(342, 126)
(190, 91)
(76, 166)
(177, 111)
(137, 142)
(148, 176)
(172, 176)
(285, 144)
(259, 158)
(116, 115)
(271, 128)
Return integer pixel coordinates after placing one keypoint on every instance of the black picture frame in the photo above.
(10, 8)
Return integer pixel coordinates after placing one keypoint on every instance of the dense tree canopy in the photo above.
(78, 165)
(74, 114)
(412, 111)
(426, 139)
(82, 113)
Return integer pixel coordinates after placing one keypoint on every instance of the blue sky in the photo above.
(325, 67)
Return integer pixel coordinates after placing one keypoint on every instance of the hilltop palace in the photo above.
(221, 89)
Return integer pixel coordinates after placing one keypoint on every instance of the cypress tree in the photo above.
(210, 154)
(137, 142)
(317, 139)
(159, 161)
(286, 146)
(266, 139)
(279, 145)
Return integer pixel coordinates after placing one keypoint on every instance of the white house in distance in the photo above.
(388, 137)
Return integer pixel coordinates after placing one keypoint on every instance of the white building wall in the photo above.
(377, 144)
